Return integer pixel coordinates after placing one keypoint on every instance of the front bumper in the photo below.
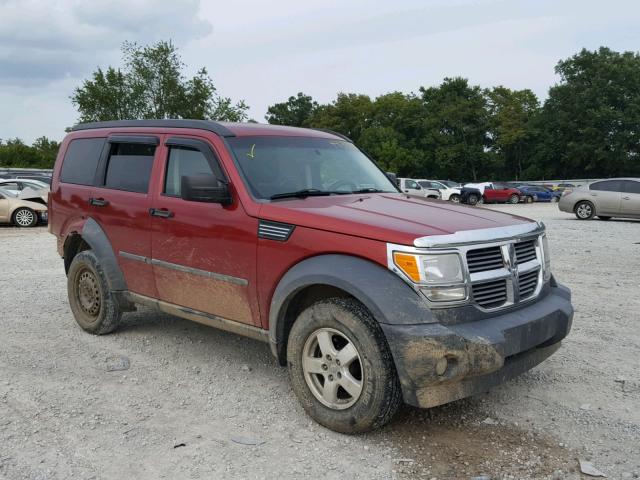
(437, 364)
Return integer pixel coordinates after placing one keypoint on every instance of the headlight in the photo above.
(437, 274)
(546, 255)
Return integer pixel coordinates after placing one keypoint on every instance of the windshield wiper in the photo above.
(306, 192)
(369, 190)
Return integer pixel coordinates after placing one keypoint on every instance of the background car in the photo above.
(446, 192)
(536, 193)
(470, 195)
(411, 187)
(16, 185)
(497, 192)
(450, 183)
(615, 197)
(21, 212)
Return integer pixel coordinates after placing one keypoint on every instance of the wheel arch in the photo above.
(388, 298)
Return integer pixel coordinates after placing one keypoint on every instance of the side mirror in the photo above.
(204, 188)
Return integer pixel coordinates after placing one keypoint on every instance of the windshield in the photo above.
(302, 166)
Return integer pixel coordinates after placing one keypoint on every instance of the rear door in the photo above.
(606, 196)
(120, 204)
(204, 254)
(630, 202)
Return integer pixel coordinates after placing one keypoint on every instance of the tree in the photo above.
(455, 128)
(511, 128)
(14, 153)
(294, 112)
(350, 114)
(590, 120)
(151, 85)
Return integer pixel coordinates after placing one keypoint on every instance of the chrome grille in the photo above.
(528, 282)
(490, 294)
(525, 251)
(484, 259)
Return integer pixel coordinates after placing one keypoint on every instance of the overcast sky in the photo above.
(263, 51)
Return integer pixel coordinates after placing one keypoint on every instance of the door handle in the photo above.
(160, 212)
(98, 202)
(626, 198)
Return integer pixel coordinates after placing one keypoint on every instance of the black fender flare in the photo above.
(389, 299)
(93, 234)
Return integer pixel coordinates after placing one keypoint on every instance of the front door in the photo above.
(120, 205)
(606, 196)
(204, 254)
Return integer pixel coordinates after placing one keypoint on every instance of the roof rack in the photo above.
(208, 125)
(326, 130)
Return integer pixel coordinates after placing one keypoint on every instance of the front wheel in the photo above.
(25, 217)
(514, 199)
(341, 368)
(455, 198)
(584, 210)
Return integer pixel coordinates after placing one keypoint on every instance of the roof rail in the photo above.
(326, 130)
(208, 125)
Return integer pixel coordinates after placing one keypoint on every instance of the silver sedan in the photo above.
(614, 197)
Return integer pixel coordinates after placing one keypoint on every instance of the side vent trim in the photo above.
(279, 232)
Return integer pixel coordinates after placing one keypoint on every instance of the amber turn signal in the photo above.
(408, 264)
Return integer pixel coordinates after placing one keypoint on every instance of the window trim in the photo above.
(199, 145)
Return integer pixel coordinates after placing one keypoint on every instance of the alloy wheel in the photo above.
(332, 368)
(24, 217)
(584, 210)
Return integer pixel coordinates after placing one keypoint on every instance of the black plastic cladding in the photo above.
(208, 125)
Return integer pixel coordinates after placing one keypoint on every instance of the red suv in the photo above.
(295, 237)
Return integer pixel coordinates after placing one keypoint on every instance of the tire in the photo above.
(455, 198)
(528, 199)
(90, 298)
(473, 199)
(24, 217)
(584, 210)
(339, 325)
(603, 218)
(513, 199)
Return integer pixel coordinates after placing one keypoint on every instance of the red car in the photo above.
(296, 238)
(497, 192)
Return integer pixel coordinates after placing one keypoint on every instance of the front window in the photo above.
(300, 166)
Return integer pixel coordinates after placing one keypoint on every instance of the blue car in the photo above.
(534, 193)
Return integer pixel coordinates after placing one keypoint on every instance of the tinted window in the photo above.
(183, 161)
(607, 186)
(631, 186)
(81, 160)
(129, 167)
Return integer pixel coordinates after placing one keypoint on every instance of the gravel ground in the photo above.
(200, 403)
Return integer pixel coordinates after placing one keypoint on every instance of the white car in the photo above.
(411, 187)
(446, 192)
(17, 185)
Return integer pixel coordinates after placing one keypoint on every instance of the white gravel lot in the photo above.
(63, 415)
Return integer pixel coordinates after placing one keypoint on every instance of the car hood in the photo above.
(34, 195)
(388, 217)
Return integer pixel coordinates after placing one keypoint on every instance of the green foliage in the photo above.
(152, 85)
(14, 153)
(586, 128)
(294, 112)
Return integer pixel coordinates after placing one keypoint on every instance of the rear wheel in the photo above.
(514, 198)
(584, 210)
(25, 217)
(341, 368)
(473, 199)
(455, 198)
(90, 298)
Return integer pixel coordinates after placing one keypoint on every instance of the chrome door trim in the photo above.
(183, 268)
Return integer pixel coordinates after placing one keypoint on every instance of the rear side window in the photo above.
(607, 186)
(184, 161)
(81, 161)
(129, 167)
(631, 186)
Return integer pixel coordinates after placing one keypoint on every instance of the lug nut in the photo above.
(331, 378)
(329, 357)
(339, 375)
(337, 362)
(324, 366)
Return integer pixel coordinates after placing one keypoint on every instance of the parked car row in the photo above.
(23, 201)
